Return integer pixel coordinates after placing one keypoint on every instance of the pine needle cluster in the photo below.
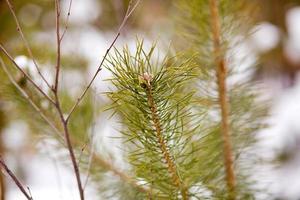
(159, 121)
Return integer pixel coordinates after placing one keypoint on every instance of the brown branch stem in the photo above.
(163, 146)
(15, 179)
(64, 122)
(58, 41)
(70, 147)
(222, 90)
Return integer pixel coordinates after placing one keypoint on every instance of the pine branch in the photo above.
(15, 179)
(166, 154)
(221, 76)
(156, 113)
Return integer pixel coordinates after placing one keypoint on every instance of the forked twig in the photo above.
(66, 120)
(58, 106)
(127, 15)
(19, 29)
(15, 179)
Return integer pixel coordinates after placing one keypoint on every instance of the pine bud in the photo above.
(145, 79)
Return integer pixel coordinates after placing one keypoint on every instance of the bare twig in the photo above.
(127, 15)
(67, 21)
(15, 179)
(19, 29)
(58, 106)
(25, 74)
(221, 76)
(71, 152)
(58, 41)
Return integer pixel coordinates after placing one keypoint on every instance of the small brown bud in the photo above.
(146, 78)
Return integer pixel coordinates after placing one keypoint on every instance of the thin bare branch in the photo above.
(15, 179)
(25, 74)
(221, 72)
(58, 106)
(67, 21)
(70, 149)
(58, 41)
(19, 29)
(127, 15)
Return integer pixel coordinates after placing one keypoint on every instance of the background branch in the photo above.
(221, 79)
